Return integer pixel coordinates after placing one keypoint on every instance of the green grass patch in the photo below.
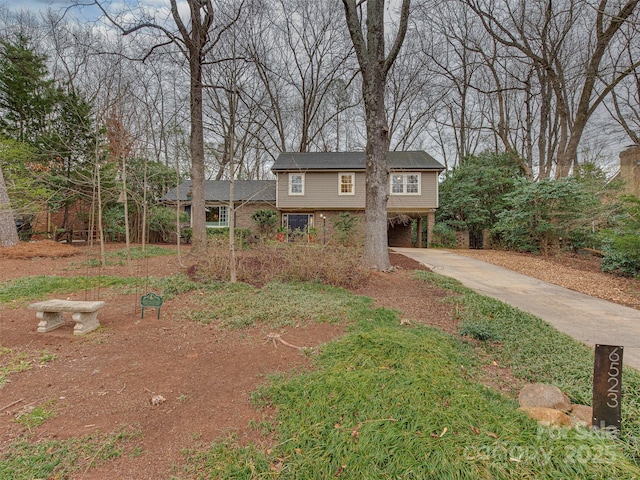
(180, 283)
(478, 331)
(277, 305)
(35, 416)
(38, 287)
(392, 402)
(26, 460)
(137, 252)
(537, 352)
(47, 357)
(12, 362)
(119, 257)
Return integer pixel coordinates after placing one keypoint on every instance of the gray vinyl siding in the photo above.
(321, 192)
(427, 199)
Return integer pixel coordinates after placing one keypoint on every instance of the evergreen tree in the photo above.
(68, 148)
(27, 98)
(472, 195)
(58, 128)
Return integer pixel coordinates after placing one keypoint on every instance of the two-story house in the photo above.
(312, 188)
(317, 186)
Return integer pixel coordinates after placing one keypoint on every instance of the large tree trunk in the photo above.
(376, 244)
(377, 175)
(8, 231)
(195, 36)
(198, 215)
(374, 67)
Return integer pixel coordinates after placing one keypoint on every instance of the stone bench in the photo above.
(85, 314)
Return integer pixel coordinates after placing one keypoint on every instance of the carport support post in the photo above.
(431, 221)
(419, 233)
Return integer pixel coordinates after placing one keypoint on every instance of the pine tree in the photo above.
(27, 98)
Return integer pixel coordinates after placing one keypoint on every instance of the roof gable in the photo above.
(292, 161)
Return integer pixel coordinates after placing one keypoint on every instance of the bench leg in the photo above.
(85, 322)
(49, 321)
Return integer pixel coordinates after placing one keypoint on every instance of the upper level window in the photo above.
(405, 184)
(296, 184)
(346, 184)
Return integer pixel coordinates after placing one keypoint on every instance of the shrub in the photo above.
(187, 233)
(345, 225)
(113, 221)
(473, 194)
(305, 262)
(265, 219)
(545, 213)
(242, 234)
(619, 263)
(162, 220)
(443, 236)
(621, 243)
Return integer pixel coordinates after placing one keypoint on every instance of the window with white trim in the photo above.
(217, 216)
(296, 184)
(405, 184)
(346, 183)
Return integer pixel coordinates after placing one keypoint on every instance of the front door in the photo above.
(299, 222)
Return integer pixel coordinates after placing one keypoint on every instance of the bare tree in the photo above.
(624, 105)
(194, 39)
(368, 37)
(412, 96)
(565, 44)
(8, 231)
(301, 53)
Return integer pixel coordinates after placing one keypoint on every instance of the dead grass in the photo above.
(42, 249)
(286, 262)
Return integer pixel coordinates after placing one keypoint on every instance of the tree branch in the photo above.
(402, 32)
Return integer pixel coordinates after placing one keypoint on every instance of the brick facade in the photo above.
(243, 216)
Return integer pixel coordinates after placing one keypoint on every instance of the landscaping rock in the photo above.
(157, 400)
(581, 416)
(548, 417)
(541, 395)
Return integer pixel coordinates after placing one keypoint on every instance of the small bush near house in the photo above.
(305, 262)
(266, 220)
(186, 234)
(345, 225)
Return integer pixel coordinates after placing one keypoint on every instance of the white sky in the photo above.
(90, 13)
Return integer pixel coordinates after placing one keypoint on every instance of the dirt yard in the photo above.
(104, 380)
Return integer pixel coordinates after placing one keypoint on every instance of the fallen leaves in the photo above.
(579, 273)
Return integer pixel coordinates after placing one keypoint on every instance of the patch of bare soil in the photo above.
(108, 378)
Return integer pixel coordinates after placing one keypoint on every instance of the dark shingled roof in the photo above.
(291, 161)
(218, 191)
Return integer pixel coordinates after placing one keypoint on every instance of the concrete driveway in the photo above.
(588, 319)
